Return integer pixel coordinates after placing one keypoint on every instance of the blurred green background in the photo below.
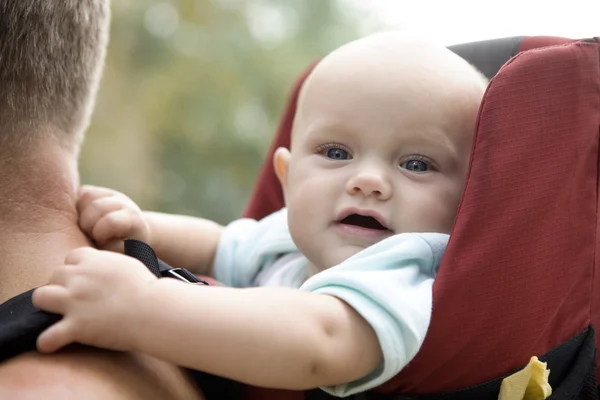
(193, 91)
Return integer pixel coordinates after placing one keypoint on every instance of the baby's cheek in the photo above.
(300, 230)
(444, 211)
(428, 212)
(308, 216)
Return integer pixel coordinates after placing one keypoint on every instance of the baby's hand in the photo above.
(108, 217)
(99, 295)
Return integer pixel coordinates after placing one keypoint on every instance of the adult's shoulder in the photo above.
(81, 372)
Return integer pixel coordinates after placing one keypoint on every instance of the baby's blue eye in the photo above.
(335, 153)
(416, 166)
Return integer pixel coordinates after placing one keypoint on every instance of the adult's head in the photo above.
(51, 59)
(52, 54)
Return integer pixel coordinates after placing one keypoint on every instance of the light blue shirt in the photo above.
(389, 284)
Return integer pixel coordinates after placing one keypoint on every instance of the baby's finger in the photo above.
(50, 298)
(57, 336)
(118, 224)
(77, 256)
(90, 215)
(114, 245)
(87, 194)
(60, 275)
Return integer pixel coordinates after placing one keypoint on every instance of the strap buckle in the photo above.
(183, 275)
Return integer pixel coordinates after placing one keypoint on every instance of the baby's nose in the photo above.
(370, 183)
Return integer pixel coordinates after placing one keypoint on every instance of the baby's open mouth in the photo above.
(363, 221)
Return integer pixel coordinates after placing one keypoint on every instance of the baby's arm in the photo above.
(282, 338)
(108, 217)
(183, 241)
(269, 337)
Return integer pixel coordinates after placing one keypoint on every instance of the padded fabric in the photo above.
(518, 275)
(534, 42)
(516, 279)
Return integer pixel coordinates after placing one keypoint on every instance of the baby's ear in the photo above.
(281, 163)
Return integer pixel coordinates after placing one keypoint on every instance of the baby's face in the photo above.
(375, 153)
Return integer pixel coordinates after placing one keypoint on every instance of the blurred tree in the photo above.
(193, 91)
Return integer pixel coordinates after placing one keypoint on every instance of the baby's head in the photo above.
(380, 145)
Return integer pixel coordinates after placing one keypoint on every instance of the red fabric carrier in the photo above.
(517, 278)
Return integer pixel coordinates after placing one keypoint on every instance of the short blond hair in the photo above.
(51, 58)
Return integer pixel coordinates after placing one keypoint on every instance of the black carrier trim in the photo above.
(488, 56)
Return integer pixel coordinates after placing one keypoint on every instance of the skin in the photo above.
(378, 132)
(39, 228)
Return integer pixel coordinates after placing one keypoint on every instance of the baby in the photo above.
(379, 156)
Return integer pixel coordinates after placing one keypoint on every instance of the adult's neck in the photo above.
(38, 217)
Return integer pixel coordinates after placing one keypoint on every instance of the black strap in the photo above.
(21, 323)
(144, 253)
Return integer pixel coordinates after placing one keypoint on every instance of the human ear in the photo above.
(281, 163)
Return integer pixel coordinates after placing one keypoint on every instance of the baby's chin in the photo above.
(335, 257)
